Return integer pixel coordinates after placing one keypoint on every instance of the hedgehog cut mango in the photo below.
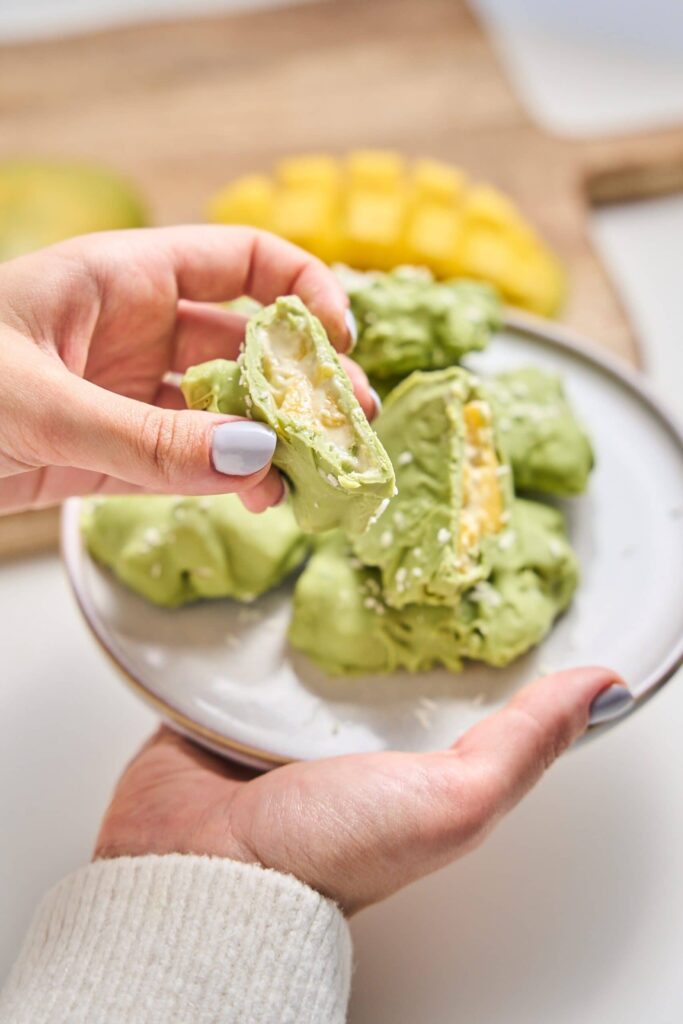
(374, 211)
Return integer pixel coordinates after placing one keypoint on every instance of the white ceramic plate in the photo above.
(224, 674)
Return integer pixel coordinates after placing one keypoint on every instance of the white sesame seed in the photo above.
(443, 536)
(387, 539)
(332, 480)
(152, 536)
(405, 458)
(416, 571)
(506, 540)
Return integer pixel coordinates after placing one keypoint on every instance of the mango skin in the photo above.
(47, 201)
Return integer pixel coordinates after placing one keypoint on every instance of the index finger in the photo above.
(213, 262)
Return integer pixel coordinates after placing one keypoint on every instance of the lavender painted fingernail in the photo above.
(613, 702)
(285, 494)
(378, 402)
(352, 328)
(240, 447)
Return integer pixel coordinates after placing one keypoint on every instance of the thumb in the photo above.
(506, 753)
(78, 424)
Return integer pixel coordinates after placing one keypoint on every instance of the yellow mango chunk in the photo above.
(247, 201)
(482, 499)
(374, 211)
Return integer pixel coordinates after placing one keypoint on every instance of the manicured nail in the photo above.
(241, 447)
(352, 328)
(613, 702)
(285, 493)
(378, 403)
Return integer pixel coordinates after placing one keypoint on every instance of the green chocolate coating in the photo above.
(332, 485)
(175, 550)
(413, 543)
(343, 624)
(408, 321)
(547, 447)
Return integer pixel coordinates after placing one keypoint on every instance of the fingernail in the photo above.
(613, 702)
(241, 447)
(285, 493)
(352, 328)
(378, 403)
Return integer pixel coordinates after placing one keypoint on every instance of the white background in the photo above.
(573, 911)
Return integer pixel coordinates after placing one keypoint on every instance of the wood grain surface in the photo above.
(183, 107)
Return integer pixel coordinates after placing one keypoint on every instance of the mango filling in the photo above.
(302, 386)
(482, 499)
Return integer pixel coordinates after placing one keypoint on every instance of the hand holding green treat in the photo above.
(408, 321)
(454, 489)
(289, 377)
(176, 550)
(547, 447)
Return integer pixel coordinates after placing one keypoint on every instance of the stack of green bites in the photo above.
(423, 552)
(457, 566)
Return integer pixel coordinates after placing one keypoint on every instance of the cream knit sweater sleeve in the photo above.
(181, 940)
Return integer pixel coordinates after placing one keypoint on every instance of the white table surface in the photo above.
(572, 913)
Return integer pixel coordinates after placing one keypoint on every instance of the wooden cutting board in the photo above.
(183, 107)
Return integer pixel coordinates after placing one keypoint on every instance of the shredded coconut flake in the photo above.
(380, 511)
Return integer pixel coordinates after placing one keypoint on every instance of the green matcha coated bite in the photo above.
(289, 376)
(343, 623)
(175, 550)
(454, 490)
(547, 446)
(408, 321)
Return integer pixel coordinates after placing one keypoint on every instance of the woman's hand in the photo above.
(355, 828)
(88, 328)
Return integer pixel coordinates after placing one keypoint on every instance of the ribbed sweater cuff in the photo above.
(189, 940)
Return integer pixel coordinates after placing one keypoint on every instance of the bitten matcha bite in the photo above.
(176, 550)
(454, 490)
(408, 321)
(343, 623)
(288, 376)
(548, 449)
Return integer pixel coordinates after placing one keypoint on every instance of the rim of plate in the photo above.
(73, 554)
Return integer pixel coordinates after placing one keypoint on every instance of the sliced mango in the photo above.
(372, 210)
